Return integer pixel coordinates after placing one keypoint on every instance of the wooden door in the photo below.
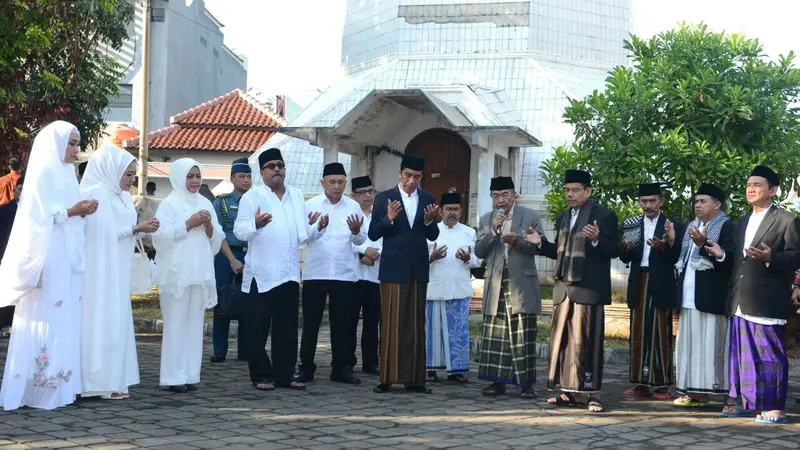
(447, 161)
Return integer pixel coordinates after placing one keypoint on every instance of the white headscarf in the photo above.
(186, 261)
(51, 187)
(101, 305)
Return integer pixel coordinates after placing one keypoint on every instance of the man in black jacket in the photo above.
(586, 242)
(764, 258)
(701, 347)
(649, 245)
(405, 217)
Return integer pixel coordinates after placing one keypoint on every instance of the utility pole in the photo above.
(143, 142)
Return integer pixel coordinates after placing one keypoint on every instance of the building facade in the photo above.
(189, 63)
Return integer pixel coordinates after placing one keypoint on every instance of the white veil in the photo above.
(51, 186)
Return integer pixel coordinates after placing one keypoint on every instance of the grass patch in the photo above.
(147, 307)
(544, 326)
(618, 296)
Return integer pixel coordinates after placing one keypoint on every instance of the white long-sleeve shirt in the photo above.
(364, 272)
(449, 276)
(329, 254)
(273, 252)
(649, 232)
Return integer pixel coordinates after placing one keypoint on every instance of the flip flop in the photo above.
(690, 403)
(736, 411)
(635, 393)
(661, 395)
(560, 401)
(782, 420)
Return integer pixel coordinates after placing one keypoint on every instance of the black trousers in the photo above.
(6, 316)
(276, 311)
(343, 315)
(368, 295)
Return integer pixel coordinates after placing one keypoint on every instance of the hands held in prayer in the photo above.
(236, 266)
(197, 219)
(431, 213)
(148, 226)
(592, 232)
(354, 222)
(437, 252)
(393, 210)
(699, 237)
(762, 253)
(367, 261)
(509, 238)
(464, 255)
(373, 254)
(262, 219)
(83, 208)
(669, 232)
(313, 216)
(322, 223)
(497, 222)
(714, 250)
(628, 244)
(532, 236)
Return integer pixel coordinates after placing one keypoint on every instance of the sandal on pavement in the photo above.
(772, 419)
(296, 385)
(635, 393)
(565, 399)
(494, 389)
(528, 392)
(595, 405)
(432, 377)
(662, 395)
(736, 411)
(264, 386)
(687, 401)
(458, 379)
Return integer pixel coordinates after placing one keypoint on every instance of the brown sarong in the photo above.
(403, 333)
(576, 348)
(651, 340)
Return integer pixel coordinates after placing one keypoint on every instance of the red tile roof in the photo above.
(234, 122)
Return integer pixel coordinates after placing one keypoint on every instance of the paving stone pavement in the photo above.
(226, 412)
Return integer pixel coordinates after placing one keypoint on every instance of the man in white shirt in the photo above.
(701, 347)
(651, 245)
(330, 271)
(449, 292)
(274, 222)
(765, 257)
(368, 287)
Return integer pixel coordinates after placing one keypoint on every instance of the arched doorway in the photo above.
(447, 161)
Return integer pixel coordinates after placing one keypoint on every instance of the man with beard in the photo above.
(274, 222)
(649, 245)
(405, 217)
(228, 264)
(449, 292)
(511, 296)
(701, 347)
(765, 257)
(586, 242)
(329, 271)
(7, 214)
(368, 288)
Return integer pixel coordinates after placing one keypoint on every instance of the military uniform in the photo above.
(227, 207)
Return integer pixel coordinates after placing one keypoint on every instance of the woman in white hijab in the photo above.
(189, 237)
(108, 346)
(42, 273)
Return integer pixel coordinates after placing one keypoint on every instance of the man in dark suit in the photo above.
(586, 242)
(765, 257)
(649, 245)
(405, 217)
(701, 354)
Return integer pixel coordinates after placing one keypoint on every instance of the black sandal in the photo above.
(458, 379)
(561, 401)
(594, 401)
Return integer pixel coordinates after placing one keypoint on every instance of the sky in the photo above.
(293, 47)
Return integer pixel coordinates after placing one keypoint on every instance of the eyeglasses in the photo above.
(272, 166)
(573, 190)
(366, 192)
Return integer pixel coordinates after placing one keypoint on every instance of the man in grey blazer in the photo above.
(511, 296)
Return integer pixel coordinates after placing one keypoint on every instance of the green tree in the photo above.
(695, 107)
(54, 65)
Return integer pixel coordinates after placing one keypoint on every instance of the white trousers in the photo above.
(182, 338)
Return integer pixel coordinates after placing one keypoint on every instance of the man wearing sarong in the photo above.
(449, 292)
(765, 257)
(701, 347)
(649, 246)
(405, 217)
(586, 242)
(511, 296)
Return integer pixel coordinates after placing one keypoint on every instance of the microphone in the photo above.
(500, 212)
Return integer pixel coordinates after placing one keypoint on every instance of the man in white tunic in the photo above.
(449, 292)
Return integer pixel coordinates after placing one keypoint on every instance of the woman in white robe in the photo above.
(108, 345)
(42, 274)
(189, 237)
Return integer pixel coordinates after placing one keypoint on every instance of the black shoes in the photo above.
(303, 377)
(218, 358)
(344, 375)
(381, 388)
(419, 389)
(178, 389)
(191, 387)
(373, 370)
(494, 389)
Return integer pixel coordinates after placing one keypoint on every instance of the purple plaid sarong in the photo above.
(759, 368)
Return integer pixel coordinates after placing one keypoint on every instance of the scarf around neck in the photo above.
(693, 259)
(572, 245)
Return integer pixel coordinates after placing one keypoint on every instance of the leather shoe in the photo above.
(494, 389)
(419, 389)
(191, 387)
(218, 358)
(344, 375)
(381, 388)
(303, 377)
(178, 389)
(371, 370)
(241, 358)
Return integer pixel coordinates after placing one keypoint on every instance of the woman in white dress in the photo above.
(189, 237)
(108, 345)
(42, 274)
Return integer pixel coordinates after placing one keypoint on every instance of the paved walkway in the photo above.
(228, 413)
